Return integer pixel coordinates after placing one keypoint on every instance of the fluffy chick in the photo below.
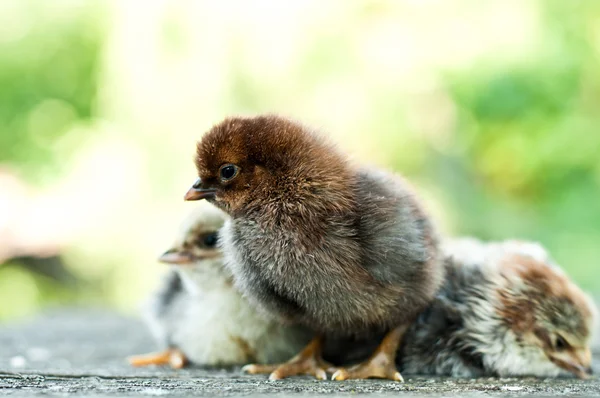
(198, 316)
(314, 240)
(505, 310)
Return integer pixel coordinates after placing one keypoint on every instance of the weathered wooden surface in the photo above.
(83, 353)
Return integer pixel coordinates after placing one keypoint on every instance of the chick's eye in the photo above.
(560, 343)
(210, 240)
(228, 172)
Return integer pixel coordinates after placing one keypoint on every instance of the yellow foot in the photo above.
(381, 365)
(369, 370)
(173, 357)
(307, 362)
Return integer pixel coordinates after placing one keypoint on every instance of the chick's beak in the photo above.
(175, 256)
(577, 362)
(198, 192)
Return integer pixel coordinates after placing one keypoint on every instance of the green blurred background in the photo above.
(491, 108)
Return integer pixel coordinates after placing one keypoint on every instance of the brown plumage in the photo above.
(313, 239)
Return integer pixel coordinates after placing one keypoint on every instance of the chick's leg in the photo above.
(381, 365)
(172, 356)
(307, 362)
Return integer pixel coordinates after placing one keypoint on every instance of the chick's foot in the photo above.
(381, 365)
(307, 362)
(173, 357)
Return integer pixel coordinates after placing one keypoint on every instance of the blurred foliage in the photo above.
(528, 136)
(502, 138)
(49, 61)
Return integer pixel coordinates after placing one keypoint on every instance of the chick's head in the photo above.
(547, 312)
(195, 252)
(245, 161)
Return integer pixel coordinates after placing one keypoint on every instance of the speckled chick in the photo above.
(198, 316)
(506, 309)
(314, 239)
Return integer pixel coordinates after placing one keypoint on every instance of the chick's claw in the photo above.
(369, 370)
(173, 357)
(307, 362)
(255, 369)
(291, 368)
(177, 360)
(381, 365)
(303, 367)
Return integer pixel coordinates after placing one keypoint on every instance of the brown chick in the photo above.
(316, 241)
